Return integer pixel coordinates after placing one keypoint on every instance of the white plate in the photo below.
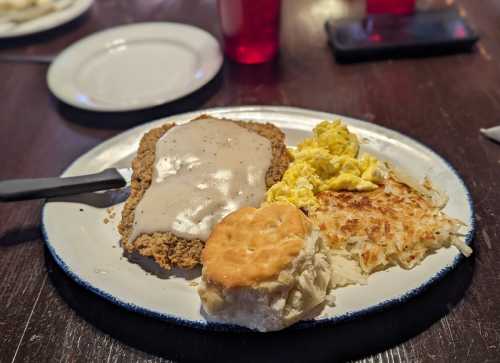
(46, 22)
(88, 250)
(135, 66)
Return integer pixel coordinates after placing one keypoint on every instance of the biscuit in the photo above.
(264, 268)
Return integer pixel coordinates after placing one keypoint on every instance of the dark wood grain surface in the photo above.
(440, 101)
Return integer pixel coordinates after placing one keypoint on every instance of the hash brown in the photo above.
(391, 225)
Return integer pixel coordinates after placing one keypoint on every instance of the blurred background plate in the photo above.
(135, 67)
(47, 21)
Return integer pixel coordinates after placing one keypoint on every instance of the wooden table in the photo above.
(440, 101)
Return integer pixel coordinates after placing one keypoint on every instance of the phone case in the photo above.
(390, 36)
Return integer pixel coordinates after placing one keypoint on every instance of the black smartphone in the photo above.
(389, 36)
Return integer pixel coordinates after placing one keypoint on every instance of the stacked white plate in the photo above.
(135, 66)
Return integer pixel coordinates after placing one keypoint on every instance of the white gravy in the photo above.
(203, 171)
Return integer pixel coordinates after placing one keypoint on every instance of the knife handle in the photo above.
(24, 189)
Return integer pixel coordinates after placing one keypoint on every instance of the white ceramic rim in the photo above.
(200, 324)
(60, 74)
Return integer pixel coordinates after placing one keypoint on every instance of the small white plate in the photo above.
(135, 66)
(45, 22)
(88, 249)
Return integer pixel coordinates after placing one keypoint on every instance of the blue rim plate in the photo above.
(88, 250)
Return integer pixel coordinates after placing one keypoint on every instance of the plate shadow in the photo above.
(20, 235)
(346, 340)
(123, 120)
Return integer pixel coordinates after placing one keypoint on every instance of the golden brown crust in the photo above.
(165, 248)
(397, 224)
(254, 245)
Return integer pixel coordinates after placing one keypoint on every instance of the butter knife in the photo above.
(24, 189)
(28, 58)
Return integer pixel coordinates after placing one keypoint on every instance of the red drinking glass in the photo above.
(250, 29)
(400, 7)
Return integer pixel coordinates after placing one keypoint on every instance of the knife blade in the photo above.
(29, 58)
(26, 189)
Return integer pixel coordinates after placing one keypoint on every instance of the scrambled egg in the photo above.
(327, 161)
